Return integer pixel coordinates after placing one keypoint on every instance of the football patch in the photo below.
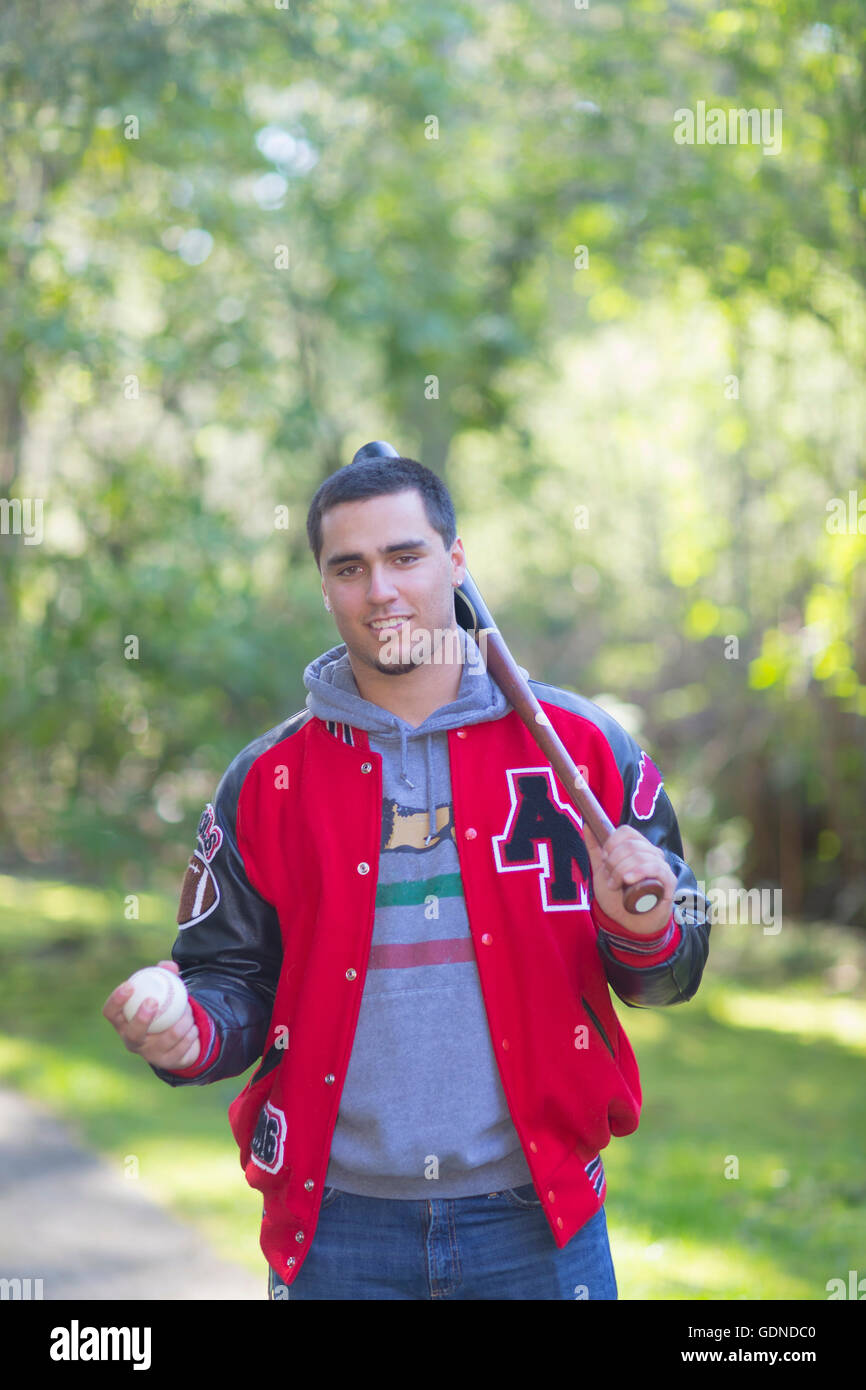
(200, 893)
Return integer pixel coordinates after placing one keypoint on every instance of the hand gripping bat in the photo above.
(473, 615)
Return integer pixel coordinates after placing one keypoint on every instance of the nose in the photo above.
(381, 589)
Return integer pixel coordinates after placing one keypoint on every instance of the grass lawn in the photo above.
(745, 1179)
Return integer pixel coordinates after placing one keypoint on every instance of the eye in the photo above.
(347, 569)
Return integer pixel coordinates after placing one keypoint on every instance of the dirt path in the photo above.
(71, 1220)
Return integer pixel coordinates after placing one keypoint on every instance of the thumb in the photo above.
(170, 965)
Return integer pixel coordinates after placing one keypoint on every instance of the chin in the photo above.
(389, 669)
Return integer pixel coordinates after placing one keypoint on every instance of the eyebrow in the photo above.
(355, 555)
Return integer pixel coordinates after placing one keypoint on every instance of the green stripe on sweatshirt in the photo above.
(406, 894)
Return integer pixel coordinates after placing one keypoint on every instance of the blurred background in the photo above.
(241, 241)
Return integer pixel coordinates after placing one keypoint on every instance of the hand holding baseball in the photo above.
(153, 1016)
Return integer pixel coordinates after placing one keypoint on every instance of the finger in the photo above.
(170, 965)
(616, 853)
(624, 838)
(171, 1051)
(165, 1056)
(167, 1038)
(134, 1030)
(178, 1031)
(189, 1057)
(113, 1006)
(632, 869)
(188, 1050)
(192, 1055)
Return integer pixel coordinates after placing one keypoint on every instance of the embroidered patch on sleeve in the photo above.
(649, 784)
(200, 892)
(209, 834)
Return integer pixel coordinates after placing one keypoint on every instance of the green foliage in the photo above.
(232, 253)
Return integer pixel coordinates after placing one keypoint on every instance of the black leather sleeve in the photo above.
(676, 979)
(230, 950)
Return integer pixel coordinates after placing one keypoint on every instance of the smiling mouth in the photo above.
(386, 624)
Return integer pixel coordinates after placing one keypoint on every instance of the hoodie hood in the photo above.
(333, 694)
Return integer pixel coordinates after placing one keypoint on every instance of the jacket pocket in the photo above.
(245, 1110)
(598, 1027)
(269, 1061)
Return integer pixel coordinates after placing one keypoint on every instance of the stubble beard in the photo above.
(403, 668)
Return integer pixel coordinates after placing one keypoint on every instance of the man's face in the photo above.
(381, 559)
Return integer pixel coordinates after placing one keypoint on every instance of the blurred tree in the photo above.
(241, 241)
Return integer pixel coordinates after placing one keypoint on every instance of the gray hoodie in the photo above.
(423, 1113)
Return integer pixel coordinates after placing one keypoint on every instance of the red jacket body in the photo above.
(277, 919)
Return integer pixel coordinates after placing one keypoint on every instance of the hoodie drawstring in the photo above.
(431, 807)
(403, 776)
(430, 802)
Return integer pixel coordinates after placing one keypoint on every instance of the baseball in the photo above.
(169, 991)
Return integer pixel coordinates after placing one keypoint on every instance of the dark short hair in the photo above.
(376, 478)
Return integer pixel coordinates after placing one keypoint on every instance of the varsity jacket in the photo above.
(275, 927)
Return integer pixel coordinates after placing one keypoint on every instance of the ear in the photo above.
(458, 563)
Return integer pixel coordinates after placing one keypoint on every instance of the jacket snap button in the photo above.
(505, 1044)
(290, 1260)
(470, 833)
(533, 1146)
(309, 1184)
(363, 868)
(487, 938)
(559, 1222)
(461, 733)
(366, 767)
(551, 1196)
(329, 1079)
(299, 1236)
(351, 974)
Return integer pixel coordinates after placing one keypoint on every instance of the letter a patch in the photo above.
(544, 834)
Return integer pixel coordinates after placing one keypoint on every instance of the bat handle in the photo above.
(643, 896)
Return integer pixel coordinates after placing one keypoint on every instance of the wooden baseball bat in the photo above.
(473, 615)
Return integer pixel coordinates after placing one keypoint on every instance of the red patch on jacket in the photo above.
(649, 784)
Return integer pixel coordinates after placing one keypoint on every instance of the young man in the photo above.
(394, 904)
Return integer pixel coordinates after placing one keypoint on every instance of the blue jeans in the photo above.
(493, 1246)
